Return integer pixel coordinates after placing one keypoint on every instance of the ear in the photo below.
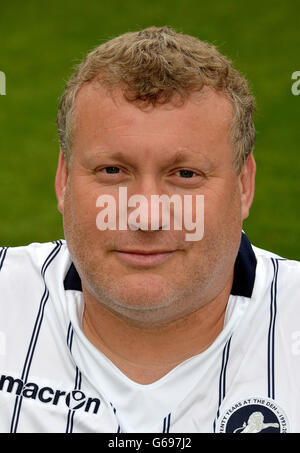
(61, 181)
(247, 185)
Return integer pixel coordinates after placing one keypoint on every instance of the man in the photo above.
(128, 326)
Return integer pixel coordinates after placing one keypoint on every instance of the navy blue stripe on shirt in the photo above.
(166, 424)
(222, 379)
(3, 253)
(50, 257)
(70, 337)
(77, 386)
(115, 412)
(34, 337)
(271, 333)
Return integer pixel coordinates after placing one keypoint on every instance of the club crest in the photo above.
(253, 415)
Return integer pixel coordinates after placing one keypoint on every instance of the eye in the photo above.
(111, 174)
(184, 173)
(186, 177)
(111, 170)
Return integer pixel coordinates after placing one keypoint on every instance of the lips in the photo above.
(144, 258)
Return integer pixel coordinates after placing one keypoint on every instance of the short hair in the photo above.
(154, 66)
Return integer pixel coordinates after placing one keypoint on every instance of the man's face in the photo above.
(117, 144)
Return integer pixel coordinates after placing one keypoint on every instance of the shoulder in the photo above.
(29, 259)
(270, 257)
(280, 274)
(261, 252)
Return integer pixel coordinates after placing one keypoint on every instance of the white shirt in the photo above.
(52, 379)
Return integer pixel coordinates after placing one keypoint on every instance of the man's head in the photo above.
(158, 113)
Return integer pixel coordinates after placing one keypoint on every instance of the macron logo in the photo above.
(75, 399)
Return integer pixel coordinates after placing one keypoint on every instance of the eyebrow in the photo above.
(180, 156)
(177, 158)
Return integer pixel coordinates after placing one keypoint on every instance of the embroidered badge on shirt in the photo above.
(253, 415)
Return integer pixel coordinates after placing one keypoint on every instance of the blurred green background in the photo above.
(41, 41)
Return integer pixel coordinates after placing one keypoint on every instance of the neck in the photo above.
(145, 354)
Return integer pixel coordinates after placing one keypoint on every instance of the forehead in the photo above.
(104, 120)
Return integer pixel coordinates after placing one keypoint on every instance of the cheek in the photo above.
(80, 211)
(222, 207)
(83, 196)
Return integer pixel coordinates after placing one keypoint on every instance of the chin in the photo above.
(145, 316)
(132, 297)
(142, 298)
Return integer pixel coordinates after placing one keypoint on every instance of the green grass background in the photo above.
(41, 41)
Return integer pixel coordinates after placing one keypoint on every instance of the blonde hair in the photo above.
(154, 66)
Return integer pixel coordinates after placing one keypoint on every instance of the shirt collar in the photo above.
(244, 269)
(243, 280)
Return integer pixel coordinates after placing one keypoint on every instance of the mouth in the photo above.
(143, 258)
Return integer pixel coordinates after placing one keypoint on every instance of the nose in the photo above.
(148, 207)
